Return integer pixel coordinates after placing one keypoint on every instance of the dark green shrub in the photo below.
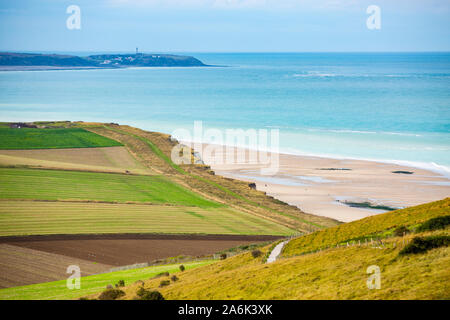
(423, 244)
(121, 283)
(256, 253)
(144, 294)
(153, 295)
(434, 224)
(400, 231)
(111, 294)
(174, 278)
(141, 291)
(139, 282)
(182, 268)
(164, 283)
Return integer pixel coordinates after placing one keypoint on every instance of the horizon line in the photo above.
(227, 52)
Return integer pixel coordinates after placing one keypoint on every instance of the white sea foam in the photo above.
(309, 74)
(364, 132)
(430, 166)
(314, 74)
(345, 131)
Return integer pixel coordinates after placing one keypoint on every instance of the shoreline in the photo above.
(47, 68)
(323, 185)
(440, 169)
(60, 68)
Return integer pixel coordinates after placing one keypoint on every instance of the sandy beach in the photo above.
(322, 186)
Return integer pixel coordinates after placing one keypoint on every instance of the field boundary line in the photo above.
(98, 202)
(164, 157)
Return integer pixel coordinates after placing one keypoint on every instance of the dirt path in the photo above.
(276, 252)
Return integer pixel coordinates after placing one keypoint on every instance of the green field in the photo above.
(36, 201)
(39, 184)
(34, 217)
(30, 138)
(58, 290)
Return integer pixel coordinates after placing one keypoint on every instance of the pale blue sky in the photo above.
(225, 25)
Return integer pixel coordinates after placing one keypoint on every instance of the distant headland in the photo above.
(10, 61)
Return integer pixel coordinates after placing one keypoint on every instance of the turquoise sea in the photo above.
(380, 106)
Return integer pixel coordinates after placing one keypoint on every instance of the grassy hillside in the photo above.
(33, 217)
(380, 225)
(62, 185)
(57, 290)
(33, 138)
(335, 273)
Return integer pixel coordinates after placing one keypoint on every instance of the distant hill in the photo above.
(144, 60)
(28, 60)
(32, 59)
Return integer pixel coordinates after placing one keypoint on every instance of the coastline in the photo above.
(57, 68)
(17, 61)
(331, 187)
(46, 68)
(433, 167)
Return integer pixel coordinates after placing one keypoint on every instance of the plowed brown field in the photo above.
(21, 266)
(119, 250)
